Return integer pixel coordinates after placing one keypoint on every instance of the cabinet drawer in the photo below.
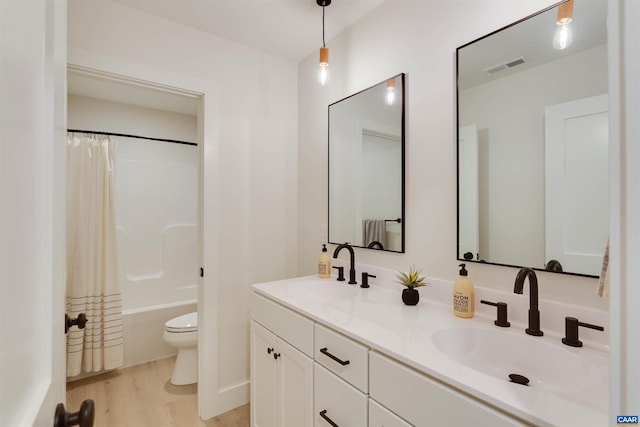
(379, 416)
(423, 401)
(297, 330)
(342, 356)
(343, 404)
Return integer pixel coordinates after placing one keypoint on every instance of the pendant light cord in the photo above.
(323, 45)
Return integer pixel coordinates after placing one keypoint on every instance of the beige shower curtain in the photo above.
(92, 272)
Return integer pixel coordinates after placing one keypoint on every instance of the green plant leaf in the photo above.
(411, 279)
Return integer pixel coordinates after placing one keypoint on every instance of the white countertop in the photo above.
(377, 317)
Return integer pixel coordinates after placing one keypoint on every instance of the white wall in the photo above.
(418, 38)
(624, 58)
(248, 125)
(511, 125)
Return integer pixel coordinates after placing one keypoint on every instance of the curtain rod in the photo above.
(173, 141)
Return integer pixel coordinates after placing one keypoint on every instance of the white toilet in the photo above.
(182, 332)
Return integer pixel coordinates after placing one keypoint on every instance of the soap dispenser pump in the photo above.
(463, 295)
(324, 263)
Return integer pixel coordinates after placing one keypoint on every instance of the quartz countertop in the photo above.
(377, 317)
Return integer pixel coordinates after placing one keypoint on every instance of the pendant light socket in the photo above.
(323, 3)
(324, 56)
(565, 13)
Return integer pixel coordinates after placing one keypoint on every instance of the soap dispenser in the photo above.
(324, 263)
(463, 294)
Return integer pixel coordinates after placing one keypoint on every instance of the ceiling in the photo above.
(290, 29)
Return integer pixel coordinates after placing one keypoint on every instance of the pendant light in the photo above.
(564, 35)
(323, 72)
(390, 97)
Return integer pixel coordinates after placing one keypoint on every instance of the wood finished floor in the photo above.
(142, 396)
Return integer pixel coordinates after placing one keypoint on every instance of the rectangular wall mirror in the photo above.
(533, 143)
(366, 167)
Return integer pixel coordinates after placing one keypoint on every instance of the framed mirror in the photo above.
(533, 143)
(366, 167)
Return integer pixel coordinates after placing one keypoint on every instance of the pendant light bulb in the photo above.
(563, 37)
(390, 97)
(323, 71)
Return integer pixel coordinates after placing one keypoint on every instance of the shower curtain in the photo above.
(92, 272)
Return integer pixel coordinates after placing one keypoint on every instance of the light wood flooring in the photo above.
(142, 396)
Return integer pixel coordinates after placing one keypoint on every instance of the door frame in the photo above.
(212, 399)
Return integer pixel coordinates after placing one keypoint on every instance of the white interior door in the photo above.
(32, 197)
(577, 183)
(468, 192)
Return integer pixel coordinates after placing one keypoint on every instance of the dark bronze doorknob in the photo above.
(83, 418)
(80, 321)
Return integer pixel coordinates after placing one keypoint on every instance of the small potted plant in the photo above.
(411, 280)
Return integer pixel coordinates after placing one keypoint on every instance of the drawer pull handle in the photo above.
(276, 355)
(323, 414)
(269, 350)
(326, 353)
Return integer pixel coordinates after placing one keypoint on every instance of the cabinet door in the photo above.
(379, 416)
(337, 401)
(295, 387)
(263, 377)
(423, 401)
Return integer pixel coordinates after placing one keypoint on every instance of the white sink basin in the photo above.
(578, 374)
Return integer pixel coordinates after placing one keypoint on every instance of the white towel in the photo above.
(603, 282)
(374, 230)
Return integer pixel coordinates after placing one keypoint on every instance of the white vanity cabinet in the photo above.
(303, 373)
(281, 374)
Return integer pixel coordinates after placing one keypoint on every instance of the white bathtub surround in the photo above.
(92, 268)
(377, 318)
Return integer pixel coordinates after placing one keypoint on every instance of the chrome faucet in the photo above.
(534, 313)
(352, 268)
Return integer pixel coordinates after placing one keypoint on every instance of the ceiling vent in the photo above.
(505, 65)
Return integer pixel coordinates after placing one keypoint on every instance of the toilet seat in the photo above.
(185, 323)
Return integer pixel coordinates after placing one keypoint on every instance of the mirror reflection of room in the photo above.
(533, 142)
(366, 166)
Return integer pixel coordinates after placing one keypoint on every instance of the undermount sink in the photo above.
(547, 366)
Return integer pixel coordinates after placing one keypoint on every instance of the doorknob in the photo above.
(80, 321)
(83, 418)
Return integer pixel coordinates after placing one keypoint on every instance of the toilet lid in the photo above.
(185, 323)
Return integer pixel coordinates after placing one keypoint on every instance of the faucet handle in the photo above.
(365, 279)
(502, 313)
(340, 273)
(571, 331)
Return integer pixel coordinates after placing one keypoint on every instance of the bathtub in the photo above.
(143, 329)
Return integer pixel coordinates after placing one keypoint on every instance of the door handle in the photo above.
(324, 415)
(83, 418)
(79, 321)
(340, 361)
